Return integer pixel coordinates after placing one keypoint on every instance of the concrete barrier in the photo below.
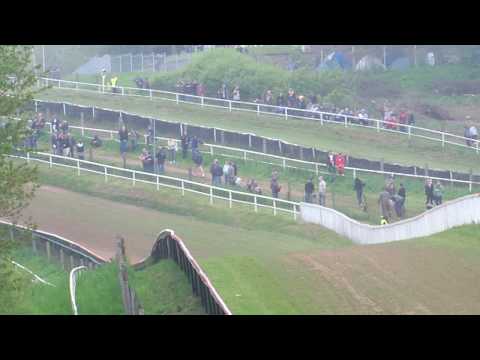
(462, 211)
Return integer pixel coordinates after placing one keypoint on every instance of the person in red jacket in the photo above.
(340, 164)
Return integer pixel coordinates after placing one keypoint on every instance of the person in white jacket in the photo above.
(322, 191)
(172, 151)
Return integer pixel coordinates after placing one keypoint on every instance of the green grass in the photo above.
(363, 143)
(98, 291)
(164, 289)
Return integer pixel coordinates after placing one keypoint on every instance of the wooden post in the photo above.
(62, 258)
(72, 261)
(34, 244)
(264, 145)
(48, 250)
(471, 179)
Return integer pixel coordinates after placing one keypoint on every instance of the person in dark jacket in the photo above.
(429, 193)
(275, 186)
(358, 187)
(194, 144)
(198, 160)
(123, 137)
(309, 190)
(161, 156)
(216, 171)
(147, 161)
(185, 141)
(96, 142)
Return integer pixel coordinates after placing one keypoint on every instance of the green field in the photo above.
(363, 143)
(262, 264)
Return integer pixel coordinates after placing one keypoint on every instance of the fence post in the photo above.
(258, 110)
(244, 156)
(381, 165)
(230, 199)
(106, 175)
(321, 119)
(211, 196)
(294, 212)
(215, 135)
(316, 168)
(378, 125)
(78, 167)
(286, 113)
(443, 140)
(34, 243)
(64, 110)
(93, 112)
(82, 124)
(354, 173)
(274, 208)
(36, 106)
(201, 100)
(50, 160)
(255, 202)
(183, 188)
(28, 157)
(158, 183)
(151, 94)
(346, 121)
(176, 98)
(451, 178)
(471, 180)
(48, 250)
(211, 150)
(250, 141)
(229, 106)
(123, 91)
(284, 163)
(133, 178)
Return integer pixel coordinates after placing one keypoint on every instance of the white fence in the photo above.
(74, 275)
(148, 62)
(462, 211)
(283, 112)
(213, 192)
(273, 160)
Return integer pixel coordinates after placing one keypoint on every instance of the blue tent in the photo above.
(335, 60)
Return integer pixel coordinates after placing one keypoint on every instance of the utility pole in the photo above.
(43, 56)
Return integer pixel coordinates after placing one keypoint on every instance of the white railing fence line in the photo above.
(38, 278)
(458, 212)
(285, 112)
(74, 275)
(136, 176)
(244, 156)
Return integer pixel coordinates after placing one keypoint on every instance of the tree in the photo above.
(17, 180)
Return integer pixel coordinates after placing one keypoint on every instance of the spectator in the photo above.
(358, 187)
(331, 163)
(275, 186)
(96, 142)
(113, 82)
(236, 93)
(147, 160)
(340, 164)
(473, 134)
(150, 135)
(185, 141)
(402, 194)
(281, 100)
(429, 193)
(291, 99)
(235, 168)
(80, 148)
(268, 97)
(55, 124)
(123, 137)
(231, 173)
(438, 193)
(253, 187)
(224, 92)
(403, 119)
(161, 156)
(54, 142)
(195, 143)
(146, 84)
(172, 150)
(64, 126)
(302, 103)
(226, 171)
(217, 172)
(466, 134)
(134, 136)
(390, 185)
(65, 144)
(72, 145)
(411, 119)
(384, 201)
(309, 190)
(198, 160)
(322, 191)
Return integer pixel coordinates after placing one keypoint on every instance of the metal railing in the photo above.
(169, 246)
(285, 112)
(283, 162)
(212, 192)
(74, 275)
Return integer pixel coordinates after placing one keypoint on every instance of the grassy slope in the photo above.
(246, 255)
(164, 289)
(354, 141)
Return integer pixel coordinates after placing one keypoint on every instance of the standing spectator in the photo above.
(309, 190)
(161, 156)
(217, 172)
(54, 142)
(390, 185)
(438, 193)
(231, 174)
(331, 162)
(358, 187)
(195, 144)
(64, 126)
(268, 97)
(226, 171)
(96, 142)
(281, 100)
(80, 147)
(123, 137)
(65, 144)
(55, 124)
(235, 168)
(340, 164)
(236, 93)
(275, 186)
(473, 134)
(291, 99)
(150, 135)
(429, 193)
(322, 191)
(384, 201)
(224, 91)
(466, 134)
(403, 119)
(185, 141)
(402, 193)
(72, 144)
(134, 136)
(302, 103)
(411, 119)
(146, 84)
(198, 160)
(253, 187)
(113, 82)
(172, 150)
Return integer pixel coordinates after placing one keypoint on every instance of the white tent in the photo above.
(369, 63)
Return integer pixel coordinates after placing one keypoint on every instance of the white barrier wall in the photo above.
(457, 212)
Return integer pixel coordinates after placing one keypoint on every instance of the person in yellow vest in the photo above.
(113, 82)
(383, 221)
